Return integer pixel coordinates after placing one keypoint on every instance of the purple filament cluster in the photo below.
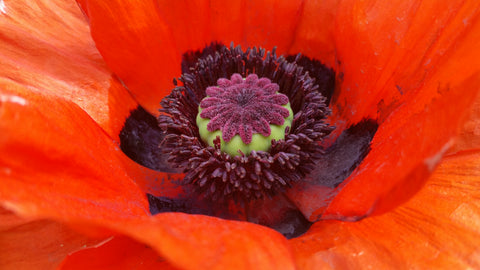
(218, 175)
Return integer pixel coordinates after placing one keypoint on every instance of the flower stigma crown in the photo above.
(246, 114)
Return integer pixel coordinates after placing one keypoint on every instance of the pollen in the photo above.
(245, 113)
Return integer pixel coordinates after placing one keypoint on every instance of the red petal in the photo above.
(409, 143)
(137, 45)
(266, 23)
(416, 126)
(404, 152)
(202, 242)
(194, 242)
(118, 253)
(63, 62)
(39, 244)
(438, 229)
(314, 35)
(387, 51)
(195, 24)
(47, 47)
(187, 22)
(57, 163)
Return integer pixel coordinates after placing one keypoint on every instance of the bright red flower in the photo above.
(66, 185)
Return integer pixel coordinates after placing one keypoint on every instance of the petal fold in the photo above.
(314, 35)
(58, 163)
(389, 51)
(36, 244)
(137, 46)
(46, 46)
(118, 253)
(211, 243)
(430, 111)
(416, 77)
(438, 229)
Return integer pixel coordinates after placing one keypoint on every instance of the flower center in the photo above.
(244, 124)
(245, 114)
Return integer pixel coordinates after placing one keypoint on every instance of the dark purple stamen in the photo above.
(220, 176)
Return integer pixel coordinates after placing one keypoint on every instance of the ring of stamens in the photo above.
(221, 176)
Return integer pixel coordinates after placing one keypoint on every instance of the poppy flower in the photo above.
(76, 81)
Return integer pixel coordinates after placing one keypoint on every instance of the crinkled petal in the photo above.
(137, 45)
(118, 253)
(438, 229)
(207, 242)
(46, 46)
(210, 243)
(36, 244)
(388, 51)
(58, 163)
(314, 35)
(417, 81)
(246, 23)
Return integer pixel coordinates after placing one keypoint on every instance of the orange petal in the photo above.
(387, 51)
(266, 23)
(438, 229)
(187, 22)
(202, 242)
(196, 242)
(137, 45)
(118, 253)
(58, 163)
(47, 47)
(242, 22)
(208, 243)
(404, 152)
(412, 139)
(314, 35)
(39, 244)
(417, 123)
